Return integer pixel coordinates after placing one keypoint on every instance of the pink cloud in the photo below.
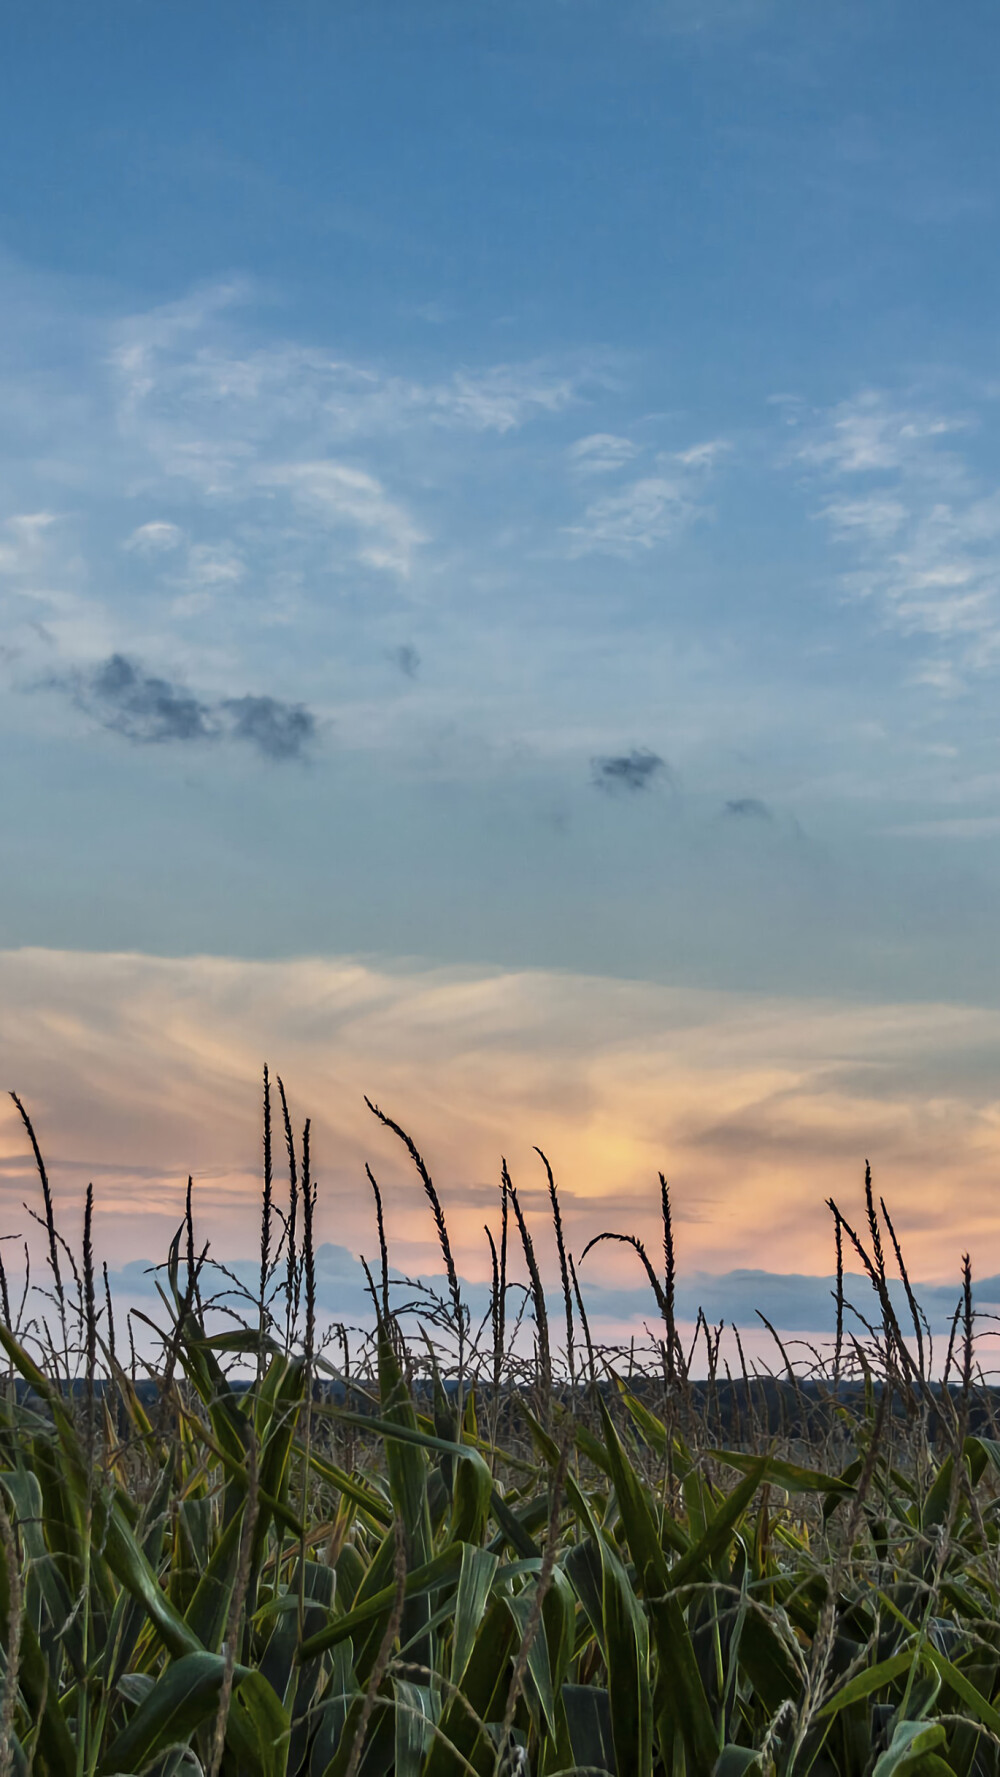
(140, 1069)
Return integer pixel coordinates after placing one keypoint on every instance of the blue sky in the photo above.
(508, 487)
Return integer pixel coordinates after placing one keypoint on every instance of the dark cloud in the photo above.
(627, 771)
(747, 808)
(794, 1302)
(148, 710)
(406, 658)
(278, 730)
(139, 705)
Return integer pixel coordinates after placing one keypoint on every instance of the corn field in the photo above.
(258, 1553)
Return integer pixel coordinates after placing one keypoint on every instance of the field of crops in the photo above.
(501, 1550)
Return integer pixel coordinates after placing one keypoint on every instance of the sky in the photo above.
(500, 610)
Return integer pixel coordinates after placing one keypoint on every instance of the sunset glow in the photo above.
(139, 1070)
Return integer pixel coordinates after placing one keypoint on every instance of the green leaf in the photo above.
(405, 1461)
(54, 1742)
(908, 1748)
(416, 1712)
(735, 1761)
(603, 1588)
(366, 1497)
(483, 1693)
(223, 1406)
(379, 1750)
(404, 1431)
(419, 1583)
(786, 1474)
(513, 1530)
(521, 1606)
(474, 1581)
(185, 1696)
(971, 1697)
(588, 1713)
(627, 1654)
(25, 1494)
(768, 1661)
(990, 1448)
(951, 1674)
(207, 1613)
(280, 1403)
(473, 1490)
(720, 1526)
(680, 1696)
(653, 1430)
(267, 1720)
(644, 1544)
(874, 1678)
(130, 1567)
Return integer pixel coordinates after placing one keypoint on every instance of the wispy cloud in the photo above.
(23, 540)
(214, 565)
(921, 525)
(642, 515)
(704, 455)
(155, 538)
(339, 495)
(500, 399)
(873, 521)
(183, 367)
(205, 404)
(646, 511)
(250, 504)
(871, 432)
(150, 710)
(602, 453)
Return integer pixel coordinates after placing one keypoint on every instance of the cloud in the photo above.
(339, 494)
(207, 407)
(187, 361)
(794, 1302)
(23, 546)
(149, 710)
(271, 498)
(648, 511)
(603, 453)
(919, 524)
(140, 1069)
(213, 565)
(211, 405)
(627, 771)
(704, 455)
(501, 399)
(870, 433)
(139, 705)
(747, 808)
(278, 730)
(406, 658)
(156, 538)
(874, 520)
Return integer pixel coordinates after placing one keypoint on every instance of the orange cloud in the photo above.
(140, 1069)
